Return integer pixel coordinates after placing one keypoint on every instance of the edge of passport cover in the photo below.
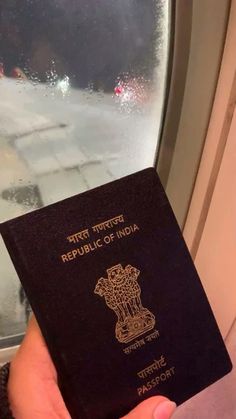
(16, 256)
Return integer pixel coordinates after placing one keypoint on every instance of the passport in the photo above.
(117, 297)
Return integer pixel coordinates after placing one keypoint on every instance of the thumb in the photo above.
(157, 407)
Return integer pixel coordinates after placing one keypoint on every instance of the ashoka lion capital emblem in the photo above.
(122, 294)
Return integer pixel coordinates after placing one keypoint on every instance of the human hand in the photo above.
(156, 407)
(32, 386)
(33, 389)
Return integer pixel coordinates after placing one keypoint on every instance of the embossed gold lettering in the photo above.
(126, 231)
(64, 258)
(166, 375)
(83, 250)
(70, 256)
(87, 249)
(109, 239)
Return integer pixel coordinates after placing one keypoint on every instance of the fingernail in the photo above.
(164, 410)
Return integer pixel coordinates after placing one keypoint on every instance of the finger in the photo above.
(33, 336)
(33, 349)
(33, 326)
(157, 407)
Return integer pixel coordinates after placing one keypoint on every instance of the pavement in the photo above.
(56, 142)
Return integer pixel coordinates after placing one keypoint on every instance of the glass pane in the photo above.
(82, 87)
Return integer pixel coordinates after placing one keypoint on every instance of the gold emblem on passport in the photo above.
(122, 294)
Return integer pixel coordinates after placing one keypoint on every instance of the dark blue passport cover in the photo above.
(117, 297)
